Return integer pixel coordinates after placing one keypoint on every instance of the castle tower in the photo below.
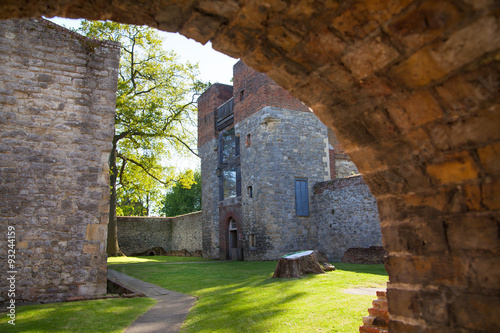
(261, 152)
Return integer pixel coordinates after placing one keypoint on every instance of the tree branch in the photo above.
(124, 158)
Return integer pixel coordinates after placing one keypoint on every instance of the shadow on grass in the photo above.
(377, 269)
(236, 308)
(85, 316)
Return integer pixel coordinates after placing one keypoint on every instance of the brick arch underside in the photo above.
(411, 90)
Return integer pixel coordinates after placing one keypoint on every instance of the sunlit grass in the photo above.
(109, 315)
(242, 297)
(152, 259)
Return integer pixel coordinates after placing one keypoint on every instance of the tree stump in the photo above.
(295, 265)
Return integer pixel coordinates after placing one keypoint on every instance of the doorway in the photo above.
(233, 240)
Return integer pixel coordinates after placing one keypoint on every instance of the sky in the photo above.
(214, 67)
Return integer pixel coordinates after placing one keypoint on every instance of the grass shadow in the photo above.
(377, 269)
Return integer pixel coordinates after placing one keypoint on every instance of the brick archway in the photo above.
(411, 90)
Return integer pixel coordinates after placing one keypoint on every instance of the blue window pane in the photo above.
(301, 197)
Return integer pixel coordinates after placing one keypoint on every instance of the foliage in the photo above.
(242, 296)
(184, 197)
(155, 108)
(109, 315)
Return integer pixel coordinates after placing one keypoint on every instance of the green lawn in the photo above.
(242, 297)
(109, 315)
(152, 259)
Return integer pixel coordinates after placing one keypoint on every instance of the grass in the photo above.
(242, 297)
(152, 259)
(109, 315)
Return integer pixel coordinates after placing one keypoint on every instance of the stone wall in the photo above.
(138, 234)
(346, 216)
(57, 104)
(285, 145)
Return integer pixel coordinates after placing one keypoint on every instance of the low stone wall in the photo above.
(359, 255)
(139, 234)
(346, 216)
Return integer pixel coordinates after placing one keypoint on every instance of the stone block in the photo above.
(423, 23)
(416, 110)
(490, 158)
(490, 193)
(436, 61)
(477, 312)
(369, 57)
(473, 233)
(456, 168)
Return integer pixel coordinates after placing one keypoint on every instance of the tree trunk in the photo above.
(298, 264)
(112, 248)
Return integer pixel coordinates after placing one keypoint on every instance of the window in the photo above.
(250, 191)
(301, 197)
(229, 182)
(228, 146)
(248, 142)
(251, 240)
(242, 95)
(229, 171)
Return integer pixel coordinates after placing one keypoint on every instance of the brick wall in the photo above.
(208, 103)
(346, 215)
(258, 91)
(137, 234)
(57, 97)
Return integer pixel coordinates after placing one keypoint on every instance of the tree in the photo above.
(183, 198)
(155, 105)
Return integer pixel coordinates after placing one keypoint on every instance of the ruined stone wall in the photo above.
(285, 145)
(346, 216)
(138, 234)
(57, 105)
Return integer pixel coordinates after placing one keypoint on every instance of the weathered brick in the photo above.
(473, 233)
(477, 312)
(418, 109)
(490, 158)
(365, 59)
(423, 23)
(436, 61)
(455, 168)
(490, 192)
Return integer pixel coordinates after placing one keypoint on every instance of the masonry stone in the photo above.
(54, 184)
(139, 234)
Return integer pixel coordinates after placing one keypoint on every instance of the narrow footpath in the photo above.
(166, 316)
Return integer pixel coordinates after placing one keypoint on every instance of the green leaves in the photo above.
(185, 196)
(155, 112)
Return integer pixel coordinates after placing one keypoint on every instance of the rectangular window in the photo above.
(251, 240)
(301, 197)
(229, 180)
(228, 145)
(229, 171)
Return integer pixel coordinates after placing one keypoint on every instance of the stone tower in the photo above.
(261, 152)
